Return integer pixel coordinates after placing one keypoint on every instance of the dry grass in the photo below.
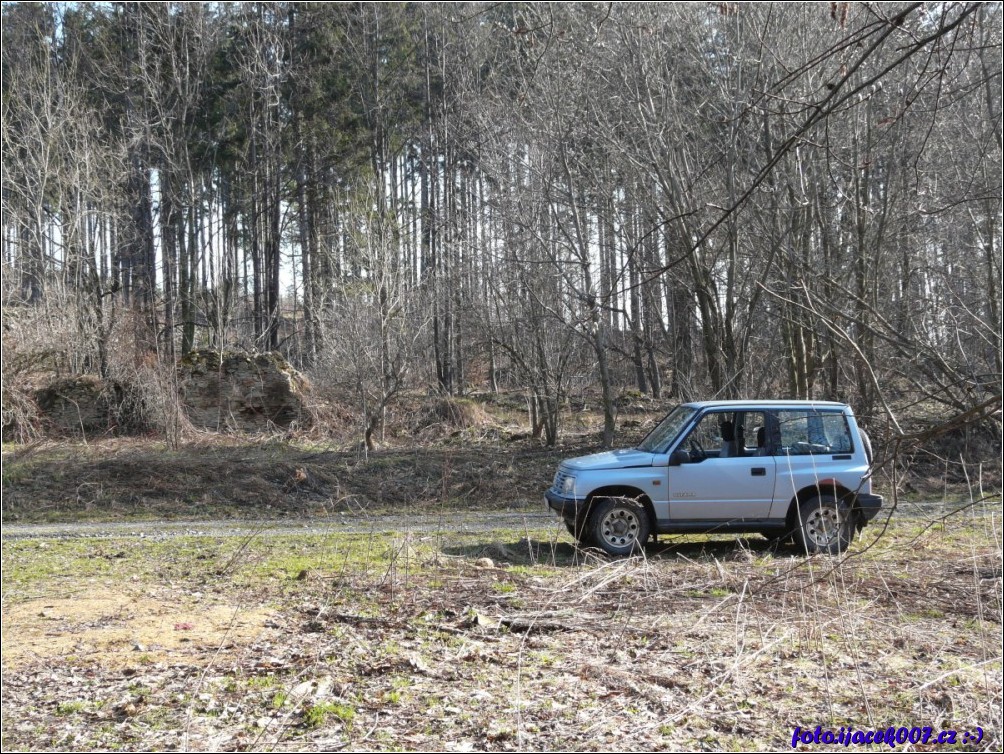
(506, 640)
(121, 625)
(224, 477)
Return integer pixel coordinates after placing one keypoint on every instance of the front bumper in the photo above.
(868, 505)
(566, 507)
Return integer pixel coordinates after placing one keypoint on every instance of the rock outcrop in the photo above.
(240, 391)
(81, 405)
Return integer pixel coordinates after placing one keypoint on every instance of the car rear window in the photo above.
(813, 432)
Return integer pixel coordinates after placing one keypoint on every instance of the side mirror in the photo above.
(679, 456)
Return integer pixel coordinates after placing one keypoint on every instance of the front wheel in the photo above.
(619, 525)
(578, 529)
(824, 526)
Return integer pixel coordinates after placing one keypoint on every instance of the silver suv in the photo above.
(781, 468)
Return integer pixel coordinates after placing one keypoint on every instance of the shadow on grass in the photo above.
(554, 553)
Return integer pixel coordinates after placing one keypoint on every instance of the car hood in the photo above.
(610, 459)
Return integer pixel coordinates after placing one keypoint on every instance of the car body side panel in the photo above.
(722, 489)
(794, 473)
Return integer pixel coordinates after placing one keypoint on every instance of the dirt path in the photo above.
(454, 522)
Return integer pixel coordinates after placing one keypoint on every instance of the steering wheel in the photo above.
(697, 450)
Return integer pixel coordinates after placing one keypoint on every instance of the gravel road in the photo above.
(457, 522)
(473, 521)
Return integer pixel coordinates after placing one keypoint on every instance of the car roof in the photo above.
(778, 404)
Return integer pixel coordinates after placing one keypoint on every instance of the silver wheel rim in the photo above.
(619, 528)
(822, 526)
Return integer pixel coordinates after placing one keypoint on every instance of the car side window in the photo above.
(728, 434)
(837, 433)
(713, 437)
(813, 432)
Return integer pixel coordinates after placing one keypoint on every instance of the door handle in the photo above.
(758, 471)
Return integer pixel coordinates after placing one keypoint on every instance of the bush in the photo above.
(455, 413)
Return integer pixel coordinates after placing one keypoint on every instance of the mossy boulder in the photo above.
(81, 405)
(242, 392)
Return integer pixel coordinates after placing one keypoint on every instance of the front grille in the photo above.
(559, 481)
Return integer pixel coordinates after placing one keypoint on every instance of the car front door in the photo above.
(729, 477)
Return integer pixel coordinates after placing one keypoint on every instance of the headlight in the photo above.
(568, 485)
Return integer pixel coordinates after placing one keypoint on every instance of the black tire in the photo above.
(619, 525)
(824, 526)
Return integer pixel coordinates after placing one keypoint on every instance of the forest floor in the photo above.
(502, 640)
(445, 637)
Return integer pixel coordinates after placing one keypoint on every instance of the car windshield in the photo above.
(660, 438)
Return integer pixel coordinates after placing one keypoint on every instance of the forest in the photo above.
(680, 201)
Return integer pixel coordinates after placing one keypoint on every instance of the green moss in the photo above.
(70, 708)
(317, 715)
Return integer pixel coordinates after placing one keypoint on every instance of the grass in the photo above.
(439, 638)
(413, 640)
(70, 708)
(316, 715)
(135, 479)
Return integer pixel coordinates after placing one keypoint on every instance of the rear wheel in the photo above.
(619, 525)
(824, 525)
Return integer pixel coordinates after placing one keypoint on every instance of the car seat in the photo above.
(728, 440)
